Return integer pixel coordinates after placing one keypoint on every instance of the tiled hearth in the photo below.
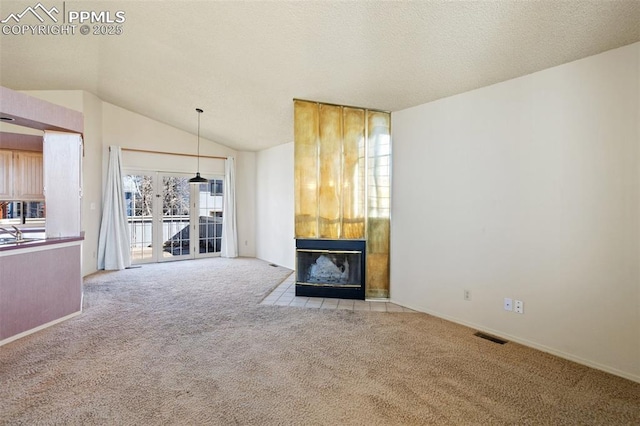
(285, 295)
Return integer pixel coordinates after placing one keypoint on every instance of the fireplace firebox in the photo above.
(330, 268)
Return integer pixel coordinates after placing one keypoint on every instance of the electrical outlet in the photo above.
(467, 295)
(508, 304)
(518, 307)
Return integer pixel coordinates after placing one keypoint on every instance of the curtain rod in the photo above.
(170, 153)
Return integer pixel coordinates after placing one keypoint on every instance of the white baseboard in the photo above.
(528, 343)
(41, 327)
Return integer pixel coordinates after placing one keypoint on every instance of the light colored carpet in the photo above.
(189, 343)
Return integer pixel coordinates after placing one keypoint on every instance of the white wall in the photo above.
(528, 189)
(131, 130)
(72, 99)
(274, 206)
(91, 181)
(246, 203)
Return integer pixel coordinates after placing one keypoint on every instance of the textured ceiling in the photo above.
(244, 62)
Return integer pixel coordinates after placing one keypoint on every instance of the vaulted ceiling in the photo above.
(244, 62)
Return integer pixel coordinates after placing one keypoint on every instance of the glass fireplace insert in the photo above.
(330, 268)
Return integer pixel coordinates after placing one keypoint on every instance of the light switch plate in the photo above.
(508, 304)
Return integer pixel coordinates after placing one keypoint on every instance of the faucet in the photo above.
(17, 234)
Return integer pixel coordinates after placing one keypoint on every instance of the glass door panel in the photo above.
(164, 211)
(209, 217)
(138, 191)
(175, 220)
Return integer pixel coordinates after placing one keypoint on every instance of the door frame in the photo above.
(157, 217)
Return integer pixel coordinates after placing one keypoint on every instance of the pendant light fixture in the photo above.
(198, 179)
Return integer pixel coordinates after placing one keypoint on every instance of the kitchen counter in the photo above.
(40, 285)
(39, 242)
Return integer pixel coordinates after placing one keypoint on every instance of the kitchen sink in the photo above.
(12, 240)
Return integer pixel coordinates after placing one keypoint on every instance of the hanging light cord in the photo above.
(197, 179)
(199, 112)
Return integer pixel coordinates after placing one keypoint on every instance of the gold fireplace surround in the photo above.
(343, 181)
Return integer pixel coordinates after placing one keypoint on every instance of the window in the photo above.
(22, 212)
(215, 187)
(210, 216)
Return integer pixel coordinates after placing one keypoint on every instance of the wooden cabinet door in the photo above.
(28, 184)
(6, 175)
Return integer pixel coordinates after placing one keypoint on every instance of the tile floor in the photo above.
(285, 295)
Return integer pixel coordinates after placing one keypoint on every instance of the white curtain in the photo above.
(113, 243)
(229, 232)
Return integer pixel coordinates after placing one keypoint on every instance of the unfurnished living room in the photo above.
(320, 212)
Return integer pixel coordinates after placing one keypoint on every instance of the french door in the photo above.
(170, 219)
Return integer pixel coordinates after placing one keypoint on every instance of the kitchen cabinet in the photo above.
(28, 182)
(6, 174)
(22, 175)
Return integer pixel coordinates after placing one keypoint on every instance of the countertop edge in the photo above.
(40, 243)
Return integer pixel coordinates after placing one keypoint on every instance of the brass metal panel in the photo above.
(343, 181)
(306, 127)
(378, 202)
(330, 177)
(377, 275)
(353, 174)
(377, 270)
